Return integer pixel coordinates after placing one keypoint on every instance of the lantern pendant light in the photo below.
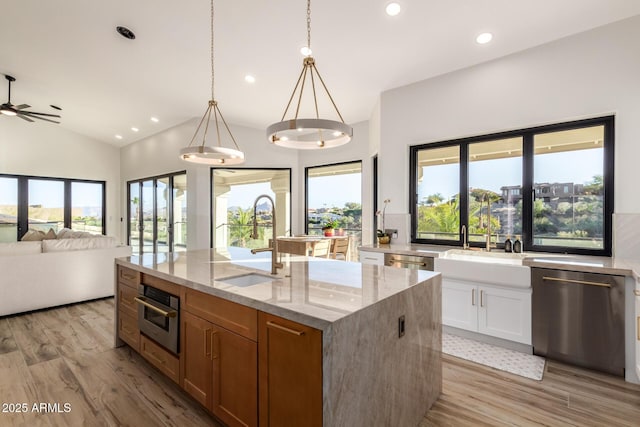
(309, 133)
(214, 155)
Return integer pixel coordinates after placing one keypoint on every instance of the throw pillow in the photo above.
(50, 235)
(32, 236)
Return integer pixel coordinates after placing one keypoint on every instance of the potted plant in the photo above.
(383, 237)
(328, 227)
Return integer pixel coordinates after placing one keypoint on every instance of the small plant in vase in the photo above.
(383, 237)
(328, 227)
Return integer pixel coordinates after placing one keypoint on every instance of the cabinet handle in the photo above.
(637, 292)
(481, 304)
(143, 301)
(214, 346)
(473, 297)
(285, 329)
(207, 346)
(128, 276)
(578, 282)
(638, 328)
(393, 260)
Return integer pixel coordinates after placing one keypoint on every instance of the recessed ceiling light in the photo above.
(155, 119)
(306, 51)
(484, 38)
(393, 9)
(118, 136)
(249, 78)
(135, 129)
(126, 33)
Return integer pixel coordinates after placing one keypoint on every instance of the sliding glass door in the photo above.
(157, 211)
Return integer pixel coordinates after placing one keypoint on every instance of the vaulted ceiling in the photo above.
(68, 53)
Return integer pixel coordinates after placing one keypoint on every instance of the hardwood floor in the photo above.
(66, 355)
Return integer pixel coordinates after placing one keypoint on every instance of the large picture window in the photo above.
(43, 203)
(551, 187)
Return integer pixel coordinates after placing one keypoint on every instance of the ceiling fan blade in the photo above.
(42, 118)
(23, 117)
(21, 106)
(34, 113)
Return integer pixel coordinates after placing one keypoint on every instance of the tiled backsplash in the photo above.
(626, 236)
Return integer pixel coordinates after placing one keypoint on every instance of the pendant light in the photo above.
(214, 155)
(309, 133)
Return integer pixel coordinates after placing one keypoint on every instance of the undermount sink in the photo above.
(249, 279)
(507, 258)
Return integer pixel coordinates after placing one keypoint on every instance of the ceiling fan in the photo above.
(8, 109)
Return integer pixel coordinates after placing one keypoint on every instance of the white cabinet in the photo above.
(375, 258)
(490, 310)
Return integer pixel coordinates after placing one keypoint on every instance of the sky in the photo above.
(50, 193)
(325, 191)
(569, 166)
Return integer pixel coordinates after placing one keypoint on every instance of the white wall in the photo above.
(158, 155)
(45, 149)
(591, 74)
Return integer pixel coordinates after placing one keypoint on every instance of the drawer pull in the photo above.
(578, 282)
(285, 329)
(481, 304)
(473, 297)
(142, 300)
(637, 292)
(422, 264)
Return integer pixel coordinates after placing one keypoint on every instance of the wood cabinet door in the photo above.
(289, 372)
(196, 358)
(235, 378)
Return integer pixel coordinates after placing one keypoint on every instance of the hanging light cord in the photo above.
(310, 64)
(213, 105)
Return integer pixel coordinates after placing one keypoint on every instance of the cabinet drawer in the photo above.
(126, 303)
(161, 284)
(128, 276)
(234, 317)
(128, 329)
(375, 258)
(166, 362)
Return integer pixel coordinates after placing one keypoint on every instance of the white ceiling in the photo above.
(67, 53)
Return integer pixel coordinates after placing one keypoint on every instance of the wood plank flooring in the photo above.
(66, 355)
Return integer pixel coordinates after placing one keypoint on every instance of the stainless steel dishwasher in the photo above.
(578, 318)
(415, 262)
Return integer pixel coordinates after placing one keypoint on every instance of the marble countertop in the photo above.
(312, 291)
(591, 264)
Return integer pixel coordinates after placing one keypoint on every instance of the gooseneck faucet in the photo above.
(254, 235)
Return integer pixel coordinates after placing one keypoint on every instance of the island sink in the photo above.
(249, 279)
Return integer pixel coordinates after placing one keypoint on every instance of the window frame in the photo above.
(154, 180)
(23, 200)
(528, 196)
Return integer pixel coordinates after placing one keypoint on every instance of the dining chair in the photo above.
(321, 248)
(341, 249)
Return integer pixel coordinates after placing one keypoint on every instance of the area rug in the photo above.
(525, 365)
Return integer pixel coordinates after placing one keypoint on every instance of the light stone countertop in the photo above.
(313, 291)
(591, 264)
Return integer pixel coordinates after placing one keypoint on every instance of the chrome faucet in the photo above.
(254, 235)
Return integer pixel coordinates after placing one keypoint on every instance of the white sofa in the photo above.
(48, 273)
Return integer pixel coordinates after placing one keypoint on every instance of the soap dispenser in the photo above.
(517, 245)
(508, 246)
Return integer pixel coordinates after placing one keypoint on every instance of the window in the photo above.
(42, 203)
(8, 209)
(234, 192)
(157, 213)
(334, 193)
(87, 207)
(569, 165)
(551, 185)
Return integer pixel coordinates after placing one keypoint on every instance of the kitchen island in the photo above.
(326, 343)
